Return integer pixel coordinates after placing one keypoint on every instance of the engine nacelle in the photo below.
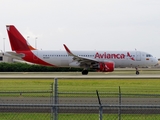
(106, 67)
(74, 64)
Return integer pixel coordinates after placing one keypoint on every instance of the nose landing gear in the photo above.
(137, 71)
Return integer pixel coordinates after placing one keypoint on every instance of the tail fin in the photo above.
(17, 41)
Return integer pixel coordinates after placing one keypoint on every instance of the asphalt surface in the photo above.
(71, 75)
(80, 100)
(80, 109)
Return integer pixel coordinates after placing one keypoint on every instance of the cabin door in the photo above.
(138, 56)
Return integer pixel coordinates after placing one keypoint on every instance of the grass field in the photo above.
(24, 116)
(45, 116)
(135, 86)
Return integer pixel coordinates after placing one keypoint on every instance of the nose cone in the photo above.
(156, 62)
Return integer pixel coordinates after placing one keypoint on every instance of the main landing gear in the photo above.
(137, 71)
(85, 72)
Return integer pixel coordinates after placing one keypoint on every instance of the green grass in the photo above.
(46, 116)
(108, 116)
(112, 85)
(88, 85)
(128, 86)
(25, 116)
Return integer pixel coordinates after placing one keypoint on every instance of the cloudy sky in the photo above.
(84, 24)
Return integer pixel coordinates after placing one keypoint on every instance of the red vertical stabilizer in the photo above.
(17, 41)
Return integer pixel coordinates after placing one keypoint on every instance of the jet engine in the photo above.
(104, 66)
(74, 64)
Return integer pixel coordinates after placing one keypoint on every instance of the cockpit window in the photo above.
(148, 55)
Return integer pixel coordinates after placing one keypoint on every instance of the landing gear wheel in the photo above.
(137, 72)
(85, 72)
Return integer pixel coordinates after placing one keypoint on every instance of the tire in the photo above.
(137, 72)
(85, 72)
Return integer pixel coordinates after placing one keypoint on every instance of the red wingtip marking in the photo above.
(67, 48)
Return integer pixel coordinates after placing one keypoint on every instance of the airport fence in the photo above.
(78, 112)
(56, 105)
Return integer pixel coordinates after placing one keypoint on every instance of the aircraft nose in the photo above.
(156, 62)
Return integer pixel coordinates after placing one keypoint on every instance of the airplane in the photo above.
(101, 61)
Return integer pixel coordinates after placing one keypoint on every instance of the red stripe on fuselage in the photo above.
(31, 57)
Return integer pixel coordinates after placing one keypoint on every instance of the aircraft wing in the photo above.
(81, 59)
(14, 55)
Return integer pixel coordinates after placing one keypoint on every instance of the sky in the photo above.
(108, 25)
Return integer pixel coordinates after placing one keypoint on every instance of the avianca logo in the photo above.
(112, 56)
(128, 54)
(106, 68)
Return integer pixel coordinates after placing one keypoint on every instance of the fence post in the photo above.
(51, 100)
(100, 106)
(119, 110)
(55, 98)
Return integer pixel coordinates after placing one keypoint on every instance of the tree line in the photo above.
(24, 67)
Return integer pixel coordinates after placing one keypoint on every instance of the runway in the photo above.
(77, 75)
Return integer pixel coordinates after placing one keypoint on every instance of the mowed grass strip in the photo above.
(71, 116)
(25, 116)
(25, 85)
(135, 86)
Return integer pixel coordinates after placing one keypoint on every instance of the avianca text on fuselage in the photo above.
(111, 56)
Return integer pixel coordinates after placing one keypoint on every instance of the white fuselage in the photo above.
(120, 58)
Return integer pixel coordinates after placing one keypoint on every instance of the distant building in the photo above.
(5, 59)
(11, 60)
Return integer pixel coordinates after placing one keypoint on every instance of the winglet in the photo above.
(68, 51)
